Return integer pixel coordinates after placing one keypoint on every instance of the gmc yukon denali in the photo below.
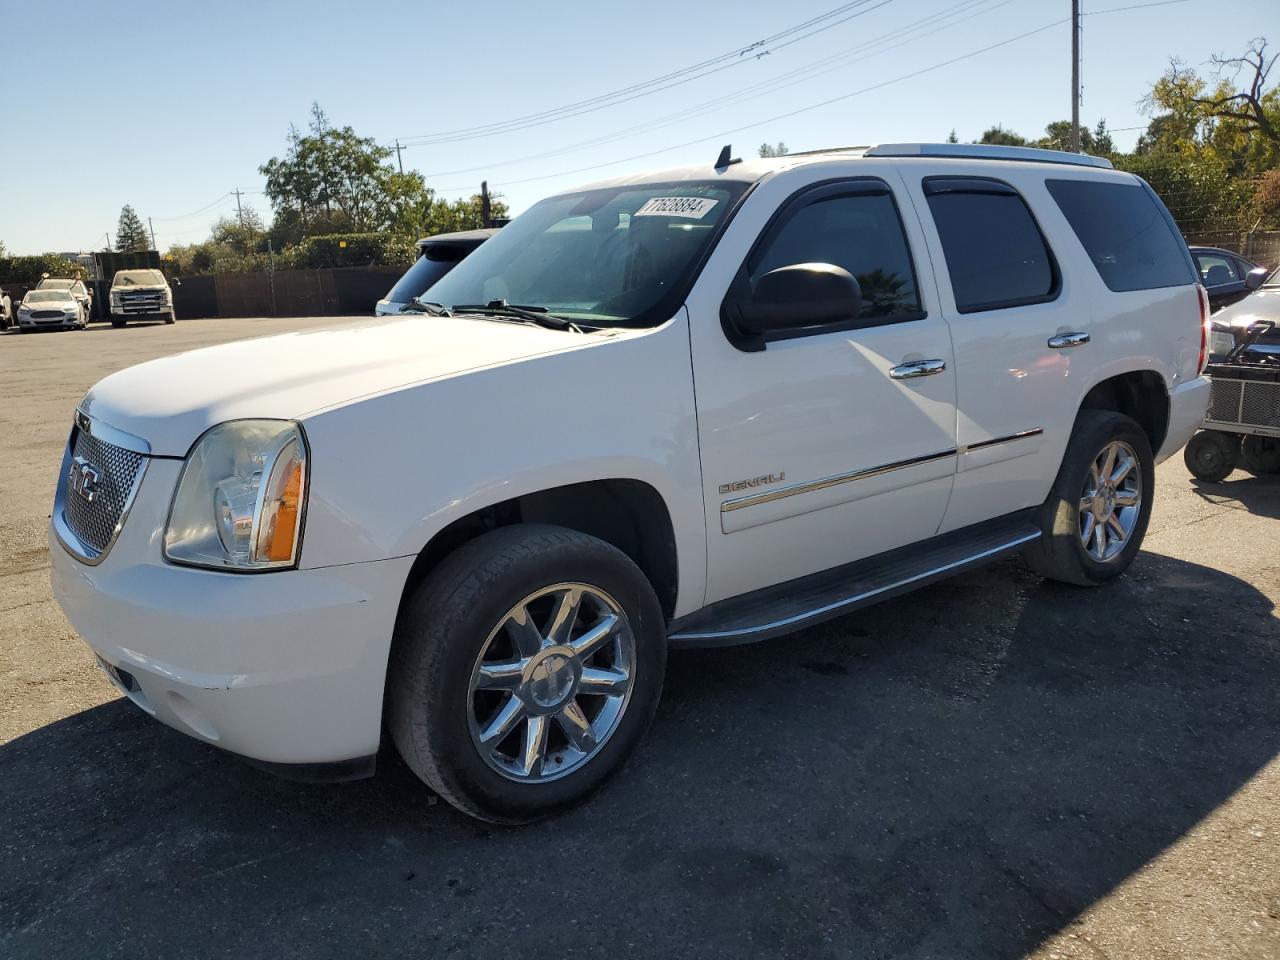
(706, 405)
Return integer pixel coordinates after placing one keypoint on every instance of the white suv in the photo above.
(706, 405)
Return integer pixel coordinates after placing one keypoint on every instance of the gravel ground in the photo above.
(992, 768)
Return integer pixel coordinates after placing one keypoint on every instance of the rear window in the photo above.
(996, 255)
(1127, 233)
(425, 272)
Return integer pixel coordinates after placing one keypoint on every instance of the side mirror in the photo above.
(796, 297)
(1253, 279)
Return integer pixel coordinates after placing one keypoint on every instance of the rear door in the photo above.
(1020, 326)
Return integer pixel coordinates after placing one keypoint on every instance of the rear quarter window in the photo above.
(1127, 233)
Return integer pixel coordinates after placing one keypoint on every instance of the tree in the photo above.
(774, 150)
(331, 179)
(951, 137)
(1232, 113)
(131, 234)
(241, 235)
(1002, 137)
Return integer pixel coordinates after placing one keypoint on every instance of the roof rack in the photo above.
(986, 151)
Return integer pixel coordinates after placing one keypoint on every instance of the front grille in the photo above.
(47, 314)
(94, 521)
(1250, 403)
(1224, 400)
(1260, 405)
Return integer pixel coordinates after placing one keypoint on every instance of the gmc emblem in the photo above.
(84, 479)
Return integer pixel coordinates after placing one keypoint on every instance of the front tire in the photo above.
(117, 322)
(524, 671)
(1096, 514)
(171, 318)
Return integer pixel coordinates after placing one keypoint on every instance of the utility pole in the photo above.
(484, 203)
(1075, 76)
(399, 162)
(153, 234)
(239, 212)
(109, 247)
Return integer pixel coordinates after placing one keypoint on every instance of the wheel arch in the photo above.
(1141, 395)
(629, 514)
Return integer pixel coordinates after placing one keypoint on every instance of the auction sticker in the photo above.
(693, 208)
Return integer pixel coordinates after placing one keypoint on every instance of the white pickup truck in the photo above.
(706, 405)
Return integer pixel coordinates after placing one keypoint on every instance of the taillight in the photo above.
(1204, 329)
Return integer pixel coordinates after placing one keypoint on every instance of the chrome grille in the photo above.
(94, 520)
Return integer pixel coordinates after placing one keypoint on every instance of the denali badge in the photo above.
(753, 482)
(84, 479)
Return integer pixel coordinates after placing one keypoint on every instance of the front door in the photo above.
(837, 442)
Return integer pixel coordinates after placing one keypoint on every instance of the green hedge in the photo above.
(28, 270)
(349, 250)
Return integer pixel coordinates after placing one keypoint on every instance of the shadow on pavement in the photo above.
(955, 774)
(1258, 495)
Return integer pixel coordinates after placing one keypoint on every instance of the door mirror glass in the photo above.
(798, 296)
(1254, 278)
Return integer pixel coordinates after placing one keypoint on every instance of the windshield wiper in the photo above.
(426, 306)
(501, 308)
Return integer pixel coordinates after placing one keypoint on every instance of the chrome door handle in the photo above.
(917, 368)
(1064, 340)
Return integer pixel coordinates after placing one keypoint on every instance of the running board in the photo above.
(805, 601)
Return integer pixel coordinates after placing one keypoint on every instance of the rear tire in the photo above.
(469, 650)
(1106, 481)
(171, 319)
(1211, 455)
(1260, 455)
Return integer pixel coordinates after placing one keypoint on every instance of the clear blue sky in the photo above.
(168, 106)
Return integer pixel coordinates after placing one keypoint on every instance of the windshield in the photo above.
(1273, 280)
(135, 278)
(424, 273)
(47, 296)
(619, 256)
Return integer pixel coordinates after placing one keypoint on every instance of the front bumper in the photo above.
(283, 668)
(1188, 403)
(50, 323)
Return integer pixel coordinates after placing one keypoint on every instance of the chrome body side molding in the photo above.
(812, 486)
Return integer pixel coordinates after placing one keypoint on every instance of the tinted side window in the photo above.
(996, 255)
(859, 231)
(1127, 234)
(1216, 270)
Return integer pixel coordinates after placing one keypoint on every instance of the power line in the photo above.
(875, 46)
(799, 110)
(724, 61)
(204, 209)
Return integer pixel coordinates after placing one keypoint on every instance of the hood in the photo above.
(138, 287)
(1262, 305)
(171, 401)
(62, 303)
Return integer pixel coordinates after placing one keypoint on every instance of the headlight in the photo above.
(1221, 343)
(240, 498)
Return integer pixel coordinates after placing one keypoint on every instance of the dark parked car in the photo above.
(1227, 276)
(436, 256)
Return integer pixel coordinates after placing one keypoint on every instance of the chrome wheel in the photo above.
(1111, 501)
(552, 682)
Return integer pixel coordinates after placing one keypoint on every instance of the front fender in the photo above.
(391, 471)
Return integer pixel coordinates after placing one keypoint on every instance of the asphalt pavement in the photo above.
(994, 767)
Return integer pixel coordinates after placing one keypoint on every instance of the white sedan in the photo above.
(55, 309)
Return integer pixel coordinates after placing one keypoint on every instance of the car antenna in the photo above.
(726, 157)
